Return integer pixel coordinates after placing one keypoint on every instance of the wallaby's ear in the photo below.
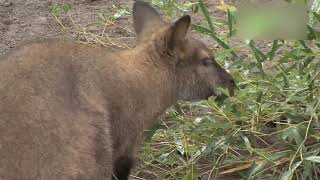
(179, 30)
(144, 15)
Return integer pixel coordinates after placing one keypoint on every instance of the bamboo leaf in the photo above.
(313, 159)
(205, 12)
(273, 50)
(289, 174)
(230, 22)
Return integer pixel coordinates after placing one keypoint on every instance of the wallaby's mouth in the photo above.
(222, 93)
(220, 97)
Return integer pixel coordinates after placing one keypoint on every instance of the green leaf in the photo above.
(314, 159)
(179, 146)
(307, 170)
(121, 12)
(304, 45)
(273, 50)
(289, 174)
(285, 80)
(230, 22)
(254, 169)
(189, 176)
(205, 12)
(207, 31)
(247, 143)
(168, 158)
(55, 9)
(186, 6)
(289, 55)
(201, 29)
(260, 57)
(317, 16)
(258, 53)
(312, 33)
(212, 33)
(66, 7)
(164, 156)
(217, 124)
(292, 133)
(223, 44)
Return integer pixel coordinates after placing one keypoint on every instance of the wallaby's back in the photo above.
(52, 117)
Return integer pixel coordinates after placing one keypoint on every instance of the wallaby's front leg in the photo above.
(122, 167)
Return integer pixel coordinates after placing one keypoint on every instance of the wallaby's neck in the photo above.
(159, 73)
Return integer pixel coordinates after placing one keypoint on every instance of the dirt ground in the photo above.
(23, 20)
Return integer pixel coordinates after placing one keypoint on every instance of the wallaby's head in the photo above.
(198, 75)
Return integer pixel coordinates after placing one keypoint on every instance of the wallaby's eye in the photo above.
(206, 61)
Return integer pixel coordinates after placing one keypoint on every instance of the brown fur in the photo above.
(70, 111)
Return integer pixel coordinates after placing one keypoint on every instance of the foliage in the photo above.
(172, 7)
(57, 9)
(269, 129)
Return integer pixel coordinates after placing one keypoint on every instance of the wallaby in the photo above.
(70, 111)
